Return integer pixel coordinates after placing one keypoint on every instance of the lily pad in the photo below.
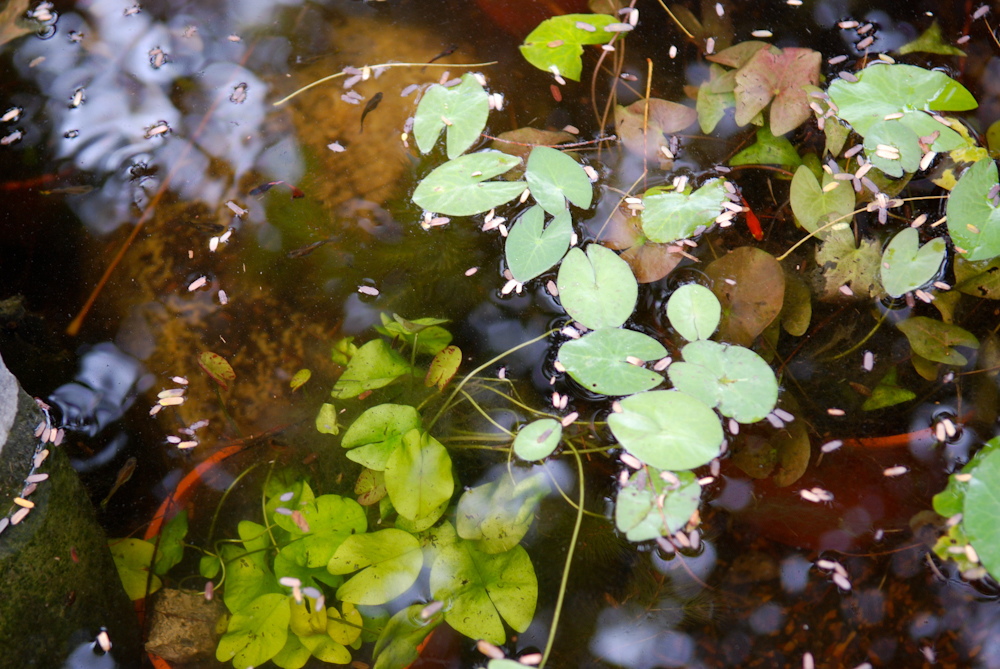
(256, 633)
(973, 220)
(670, 215)
(813, 207)
(732, 378)
(537, 439)
(642, 514)
(422, 333)
(931, 41)
(558, 42)
(750, 284)
(532, 248)
(418, 475)
(768, 150)
(936, 341)
(388, 563)
(982, 511)
(330, 519)
(694, 311)
(378, 432)
(648, 260)
(132, 558)
(484, 590)
(598, 361)
(460, 187)
(895, 134)
(597, 287)
(667, 429)
(643, 125)
(374, 366)
(777, 76)
(498, 514)
(907, 266)
(461, 109)
(555, 177)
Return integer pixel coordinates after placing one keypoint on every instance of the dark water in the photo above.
(91, 168)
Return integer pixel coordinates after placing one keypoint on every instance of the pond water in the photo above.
(158, 204)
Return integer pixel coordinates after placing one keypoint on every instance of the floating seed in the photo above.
(762, 33)
(848, 77)
(836, 412)
(19, 515)
(895, 471)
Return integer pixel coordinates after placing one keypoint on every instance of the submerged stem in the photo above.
(569, 561)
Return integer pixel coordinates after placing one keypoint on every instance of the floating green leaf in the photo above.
(982, 511)
(930, 41)
(370, 487)
(247, 573)
(597, 288)
(374, 366)
(423, 333)
(537, 440)
(907, 266)
(844, 264)
(883, 90)
(777, 76)
(389, 561)
(936, 341)
(715, 96)
(418, 475)
(694, 311)
(893, 133)
(973, 220)
(256, 633)
(813, 207)
(642, 514)
(558, 42)
(403, 635)
(643, 125)
(460, 186)
(555, 177)
(532, 248)
(443, 367)
(299, 379)
(498, 514)
(733, 378)
(669, 215)
(750, 284)
(767, 150)
(888, 393)
(463, 109)
(132, 558)
(331, 519)
(979, 279)
(667, 429)
(171, 548)
(598, 361)
(483, 588)
(218, 368)
(326, 419)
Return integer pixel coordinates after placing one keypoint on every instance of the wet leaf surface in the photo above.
(670, 215)
(732, 378)
(598, 361)
(907, 266)
(558, 42)
(498, 514)
(777, 76)
(388, 563)
(257, 633)
(418, 475)
(694, 311)
(973, 219)
(218, 368)
(460, 187)
(532, 247)
(465, 107)
(767, 150)
(555, 177)
(597, 287)
(813, 207)
(378, 432)
(750, 284)
(844, 264)
(936, 341)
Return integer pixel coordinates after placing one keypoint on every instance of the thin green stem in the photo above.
(482, 412)
(483, 366)
(374, 67)
(569, 561)
(218, 507)
(225, 412)
(861, 343)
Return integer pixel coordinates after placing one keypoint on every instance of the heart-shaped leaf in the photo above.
(390, 560)
(670, 215)
(907, 266)
(599, 361)
(973, 220)
(532, 248)
(667, 429)
(936, 341)
(256, 633)
(418, 475)
(597, 287)
(463, 109)
(778, 75)
(893, 134)
(694, 311)
(378, 432)
(558, 42)
(647, 507)
(537, 440)
(460, 186)
(554, 177)
(733, 378)
(642, 126)
(750, 284)
(374, 366)
(814, 207)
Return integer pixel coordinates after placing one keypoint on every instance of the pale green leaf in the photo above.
(460, 187)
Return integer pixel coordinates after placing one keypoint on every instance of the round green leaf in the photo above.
(559, 42)
(893, 133)
(498, 514)
(598, 361)
(813, 207)
(256, 633)
(481, 588)
(597, 288)
(667, 429)
(734, 378)
(330, 518)
(982, 511)
(465, 107)
(374, 365)
(418, 475)
(390, 561)
(670, 215)
(460, 186)
(555, 177)
(907, 266)
(973, 221)
(378, 432)
(537, 440)
(531, 248)
(694, 311)
(642, 514)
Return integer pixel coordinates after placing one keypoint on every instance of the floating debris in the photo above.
(895, 471)
(368, 290)
(11, 114)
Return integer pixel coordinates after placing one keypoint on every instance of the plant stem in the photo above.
(569, 561)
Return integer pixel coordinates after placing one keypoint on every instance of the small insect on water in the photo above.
(160, 128)
(158, 58)
(78, 98)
